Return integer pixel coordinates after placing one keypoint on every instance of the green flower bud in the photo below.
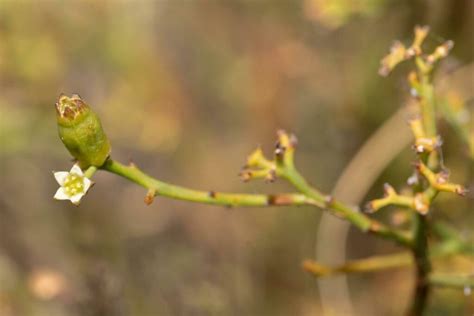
(81, 131)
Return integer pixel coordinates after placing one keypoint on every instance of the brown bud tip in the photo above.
(398, 53)
(442, 177)
(417, 165)
(460, 190)
(279, 150)
(421, 206)
(422, 28)
(413, 179)
(449, 44)
(329, 200)
(293, 141)
(245, 175)
(148, 199)
(150, 196)
(271, 176)
(70, 108)
(388, 190)
(369, 208)
(212, 194)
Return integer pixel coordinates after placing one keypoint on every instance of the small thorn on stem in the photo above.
(293, 141)
(271, 176)
(212, 194)
(245, 175)
(460, 190)
(279, 149)
(131, 163)
(369, 208)
(329, 201)
(388, 190)
(271, 200)
(150, 197)
(421, 204)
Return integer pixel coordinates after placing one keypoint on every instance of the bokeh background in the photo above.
(186, 89)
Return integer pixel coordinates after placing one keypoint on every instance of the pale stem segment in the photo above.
(447, 248)
(161, 188)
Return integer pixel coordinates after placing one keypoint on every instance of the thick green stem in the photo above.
(209, 197)
(420, 224)
(428, 107)
(339, 209)
(371, 264)
(423, 266)
(308, 196)
(452, 280)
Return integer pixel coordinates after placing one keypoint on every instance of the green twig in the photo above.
(370, 264)
(422, 263)
(452, 280)
(447, 248)
(309, 196)
(134, 174)
(90, 171)
(339, 209)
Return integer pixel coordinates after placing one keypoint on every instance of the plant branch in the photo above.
(452, 280)
(282, 166)
(309, 196)
(422, 264)
(370, 264)
(157, 187)
(445, 249)
(430, 177)
(339, 209)
(430, 189)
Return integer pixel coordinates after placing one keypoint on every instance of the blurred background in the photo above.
(186, 89)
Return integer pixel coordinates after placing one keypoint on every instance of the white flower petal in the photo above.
(61, 194)
(87, 184)
(76, 199)
(60, 176)
(76, 169)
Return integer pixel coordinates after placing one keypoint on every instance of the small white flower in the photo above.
(74, 185)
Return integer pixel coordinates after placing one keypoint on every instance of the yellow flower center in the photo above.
(73, 184)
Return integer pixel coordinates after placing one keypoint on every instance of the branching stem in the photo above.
(339, 209)
(420, 222)
(308, 196)
(134, 174)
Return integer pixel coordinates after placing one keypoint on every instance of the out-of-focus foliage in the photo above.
(336, 13)
(186, 89)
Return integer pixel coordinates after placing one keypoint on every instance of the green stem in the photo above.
(420, 224)
(375, 263)
(90, 171)
(423, 266)
(339, 209)
(309, 196)
(428, 107)
(452, 280)
(209, 197)
(370, 264)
